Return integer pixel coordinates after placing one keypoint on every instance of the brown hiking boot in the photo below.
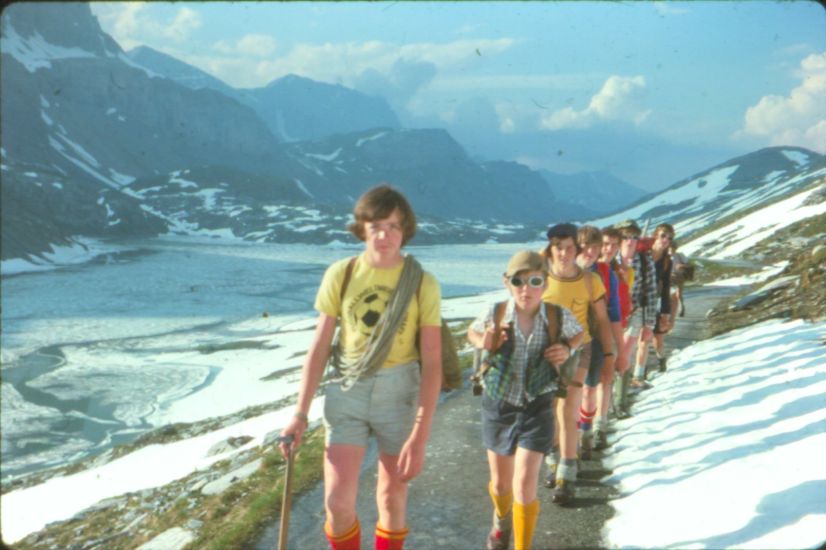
(550, 478)
(499, 537)
(564, 492)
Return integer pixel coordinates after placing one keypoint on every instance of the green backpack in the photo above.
(451, 371)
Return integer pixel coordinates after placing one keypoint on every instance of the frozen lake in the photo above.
(170, 330)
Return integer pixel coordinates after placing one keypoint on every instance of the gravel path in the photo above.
(449, 504)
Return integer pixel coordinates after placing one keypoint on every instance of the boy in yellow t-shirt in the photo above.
(571, 287)
(368, 292)
(394, 401)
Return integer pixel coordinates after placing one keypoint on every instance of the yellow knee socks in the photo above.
(502, 503)
(524, 524)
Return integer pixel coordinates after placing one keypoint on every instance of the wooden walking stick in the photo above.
(286, 500)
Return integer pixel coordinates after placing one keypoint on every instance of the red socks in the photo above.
(390, 540)
(585, 419)
(349, 540)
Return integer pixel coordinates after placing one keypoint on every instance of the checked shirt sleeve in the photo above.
(650, 282)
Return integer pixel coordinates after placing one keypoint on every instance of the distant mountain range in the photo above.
(103, 144)
(294, 108)
(592, 193)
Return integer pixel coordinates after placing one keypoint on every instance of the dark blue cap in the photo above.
(562, 230)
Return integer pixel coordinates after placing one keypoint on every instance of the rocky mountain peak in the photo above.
(54, 30)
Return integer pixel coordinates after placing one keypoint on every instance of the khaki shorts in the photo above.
(383, 405)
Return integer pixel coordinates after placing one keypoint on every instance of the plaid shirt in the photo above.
(644, 293)
(509, 382)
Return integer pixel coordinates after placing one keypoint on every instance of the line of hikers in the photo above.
(576, 311)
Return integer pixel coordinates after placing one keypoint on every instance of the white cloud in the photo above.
(186, 20)
(340, 62)
(130, 24)
(333, 62)
(664, 9)
(620, 98)
(253, 45)
(507, 125)
(528, 82)
(796, 119)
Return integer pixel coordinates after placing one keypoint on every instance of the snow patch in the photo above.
(797, 157)
(182, 183)
(709, 440)
(83, 153)
(302, 188)
(80, 251)
(35, 52)
(121, 179)
(326, 158)
(362, 141)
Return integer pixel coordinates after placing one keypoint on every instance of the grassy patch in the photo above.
(804, 300)
(234, 518)
(239, 515)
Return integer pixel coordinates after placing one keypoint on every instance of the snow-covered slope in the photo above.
(732, 239)
(729, 190)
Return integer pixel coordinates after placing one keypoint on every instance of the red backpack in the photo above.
(644, 244)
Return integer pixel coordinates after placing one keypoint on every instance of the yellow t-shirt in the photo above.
(365, 299)
(573, 294)
(630, 272)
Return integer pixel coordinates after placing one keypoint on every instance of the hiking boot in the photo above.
(622, 413)
(640, 385)
(663, 363)
(550, 478)
(600, 440)
(563, 493)
(499, 537)
(586, 446)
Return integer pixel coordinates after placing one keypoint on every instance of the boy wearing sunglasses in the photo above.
(580, 291)
(517, 417)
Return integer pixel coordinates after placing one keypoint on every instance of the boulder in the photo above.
(222, 483)
(171, 539)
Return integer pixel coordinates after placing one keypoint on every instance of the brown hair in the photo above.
(611, 233)
(588, 235)
(554, 241)
(666, 228)
(377, 204)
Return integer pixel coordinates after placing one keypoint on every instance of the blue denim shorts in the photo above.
(506, 427)
(382, 405)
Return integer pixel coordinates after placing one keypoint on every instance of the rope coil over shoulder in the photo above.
(378, 345)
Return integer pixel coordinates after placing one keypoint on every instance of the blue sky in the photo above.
(732, 75)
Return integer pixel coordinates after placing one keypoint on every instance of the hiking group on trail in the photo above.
(549, 357)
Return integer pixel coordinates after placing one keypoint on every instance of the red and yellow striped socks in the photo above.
(349, 540)
(390, 540)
